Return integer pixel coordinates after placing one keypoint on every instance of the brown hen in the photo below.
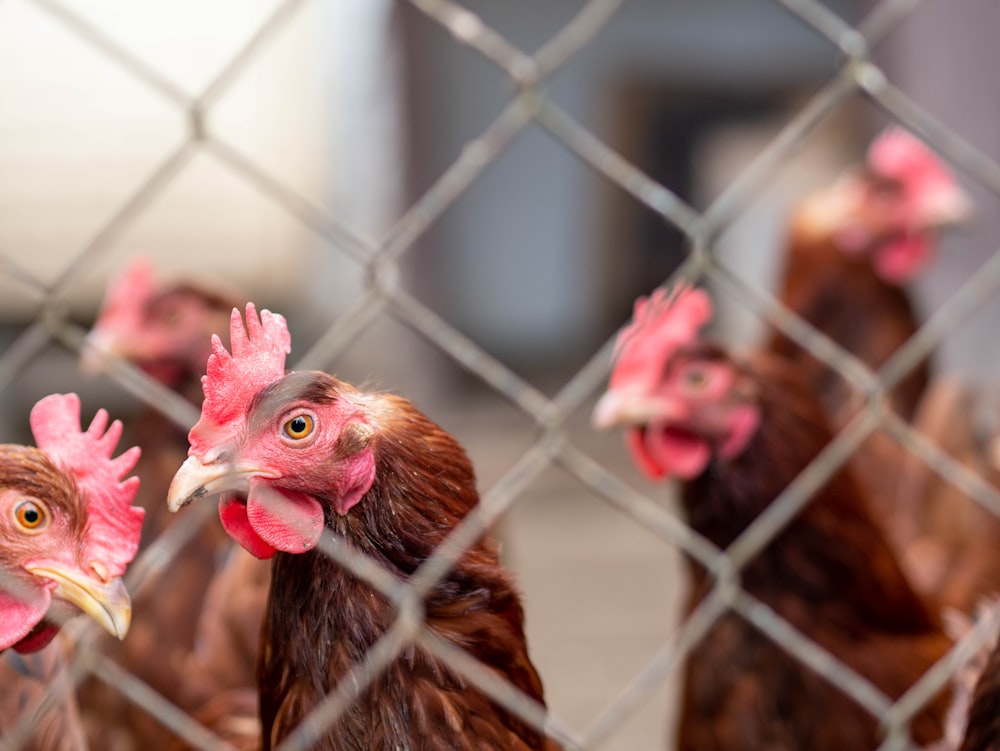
(736, 433)
(303, 455)
(180, 643)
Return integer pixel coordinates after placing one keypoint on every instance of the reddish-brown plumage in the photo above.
(179, 642)
(847, 300)
(67, 532)
(27, 679)
(321, 621)
(831, 573)
(736, 433)
(301, 454)
(850, 252)
(853, 246)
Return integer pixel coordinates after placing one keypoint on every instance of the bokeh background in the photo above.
(317, 156)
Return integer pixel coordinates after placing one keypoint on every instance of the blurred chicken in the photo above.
(184, 615)
(301, 455)
(736, 432)
(951, 542)
(850, 250)
(67, 532)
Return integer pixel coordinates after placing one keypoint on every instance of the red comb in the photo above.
(661, 324)
(113, 524)
(231, 381)
(126, 295)
(900, 155)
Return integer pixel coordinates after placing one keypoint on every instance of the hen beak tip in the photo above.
(107, 602)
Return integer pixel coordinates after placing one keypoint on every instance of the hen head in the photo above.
(889, 210)
(682, 401)
(282, 450)
(67, 529)
(162, 328)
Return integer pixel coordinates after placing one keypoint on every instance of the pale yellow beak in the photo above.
(617, 409)
(107, 602)
(98, 348)
(196, 480)
(947, 207)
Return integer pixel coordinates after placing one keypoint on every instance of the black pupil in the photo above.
(31, 515)
(298, 425)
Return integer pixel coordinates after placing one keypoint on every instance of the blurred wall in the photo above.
(522, 260)
(79, 135)
(314, 110)
(945, 56)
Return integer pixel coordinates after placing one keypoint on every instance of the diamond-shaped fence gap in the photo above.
(210, 223)
(815, 112)
(594, 617)
(517, 276)
(752, 243)
(639, 506)
(187, 41)
(432, 57)
(927, 46)
(469, 355)
(113, 50)
(87, 117)
(665, 664)
(374, 349)
(282, 196)
(280, 110)
(475, 157)
(469, 408)
(122, 385)
(683, 47)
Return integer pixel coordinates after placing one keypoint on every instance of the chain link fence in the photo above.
(384, 293)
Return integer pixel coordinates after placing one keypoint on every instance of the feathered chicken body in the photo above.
(853, 247)
(181, 641)
(737, 433)
(299, 455)
(67, 532)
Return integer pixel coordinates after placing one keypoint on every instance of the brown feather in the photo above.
(831, 573)
(321, 621)
(185, 632)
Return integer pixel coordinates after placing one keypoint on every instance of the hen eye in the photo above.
(696, 378)
(299, 427)
(31, 516)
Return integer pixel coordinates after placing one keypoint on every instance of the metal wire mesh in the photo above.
(528, 103)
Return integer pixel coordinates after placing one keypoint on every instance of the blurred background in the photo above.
(271, 146)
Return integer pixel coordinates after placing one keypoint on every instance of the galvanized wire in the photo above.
(529, 104)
